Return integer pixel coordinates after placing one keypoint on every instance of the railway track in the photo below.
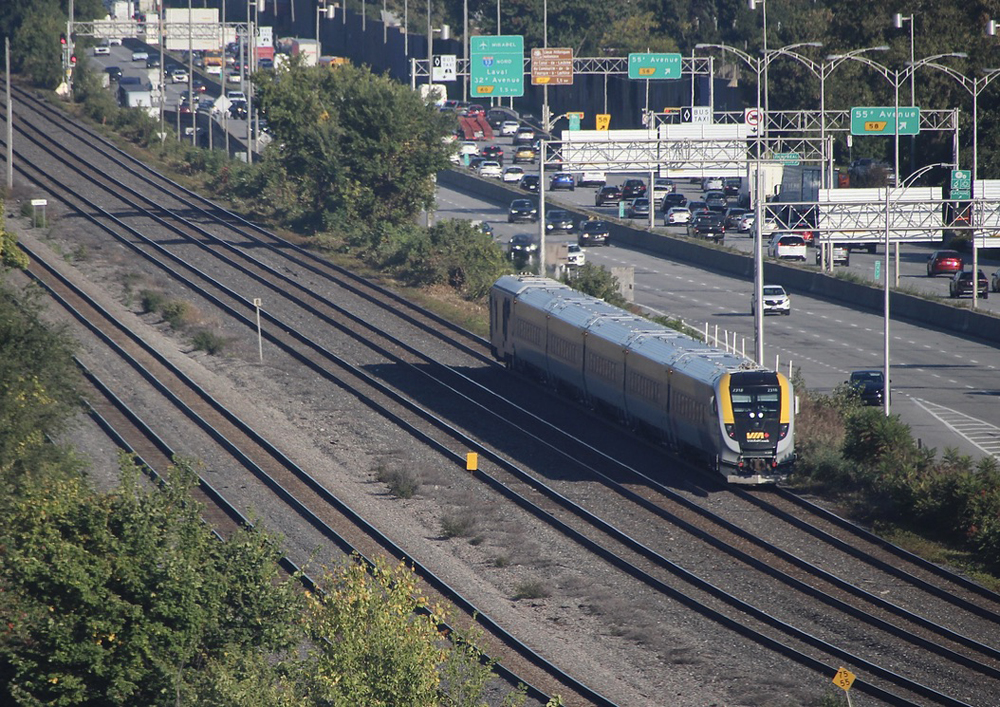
(654, 505)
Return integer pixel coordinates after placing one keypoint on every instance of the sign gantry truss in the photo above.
(809, 121)
(609, 65)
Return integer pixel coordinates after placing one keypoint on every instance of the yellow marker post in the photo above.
(471, 461)
(844, 679)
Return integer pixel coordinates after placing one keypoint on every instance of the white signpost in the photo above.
(445, 67)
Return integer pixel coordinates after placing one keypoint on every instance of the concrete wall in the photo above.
(904, 307)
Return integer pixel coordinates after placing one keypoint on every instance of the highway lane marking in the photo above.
(982, 435)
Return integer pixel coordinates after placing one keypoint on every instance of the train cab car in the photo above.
(699, 400)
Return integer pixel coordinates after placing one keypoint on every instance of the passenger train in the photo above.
(728, 410)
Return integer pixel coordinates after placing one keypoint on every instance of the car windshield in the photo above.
(521, 204)
(594, 226)
(774, 291)
(866, 377)
(557, 215)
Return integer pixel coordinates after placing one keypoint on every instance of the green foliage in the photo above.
(123, 595)
(452, 253)
(207, 341)
(151, 301)
(599, 282)
(531, 589)
(10, 255)
(458, 525)
(38, 380)
(358, 148)
(35, 50)
(402, 482)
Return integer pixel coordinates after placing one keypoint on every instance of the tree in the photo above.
(126, 597)
(597, 281)
(35, 49)
(361, 148)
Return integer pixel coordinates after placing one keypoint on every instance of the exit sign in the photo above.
(882, 121)
(654, 66)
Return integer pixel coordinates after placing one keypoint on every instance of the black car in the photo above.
(716, 201)
(633, 188)
(961, 285)
(607, 195)
(593, 233)
(869, 386)
(493, 152)
(475, 161)
(522, 244)
(558, 220)
(153, 61)
(731, 186)
(529, 182)
(522, 210)
(707, 224)
(114, 72)
(673, 199)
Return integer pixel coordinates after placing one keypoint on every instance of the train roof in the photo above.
(652, 340)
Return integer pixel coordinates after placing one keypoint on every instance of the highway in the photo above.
(944, 386)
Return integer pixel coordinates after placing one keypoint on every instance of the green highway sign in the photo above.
(961, 184)
(497, 65)
(654, 66)
(789, 158)
(882, 121)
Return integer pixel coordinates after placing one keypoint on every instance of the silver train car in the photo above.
(736, 415)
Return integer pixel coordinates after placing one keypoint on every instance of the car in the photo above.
(707, 224)
(483, 226)
(676, 215)
(733, 215)
(840, 254)
(558, 220)
(787, 246)
(140, 55)
(474, 162)
(732, 185)
(234, 77)
(638, 208)
(716, 201)
(509, 127)
(524, 135)
(592, 179)
(961, 285)
(746, 222)
(114, 73)
(631, 188)
(115, 41)
(236, 95)
(593, 232)
(496, 117)
(490, 168)
(609, 194)
(869, 386)
(206, 105)
(995, 281)
(199, 86)
(179, 76)
(468, 148)
(529, 182)
(944, 261)
(562, 180)
(512, 174)
(522, 210)
(776, 301)
(712, 184)
(102, 49)
(153, 62)
(525, 153)
(475, 110)
(697, 206)
(493, 152)
(673, 199)
(575, 257)
(522, 244)
(661, 187)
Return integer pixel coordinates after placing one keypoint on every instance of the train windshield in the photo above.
(755, 400)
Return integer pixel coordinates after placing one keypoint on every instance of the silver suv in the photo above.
(776, 301)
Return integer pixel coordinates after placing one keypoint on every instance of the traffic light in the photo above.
(62, 39)
(72, 60)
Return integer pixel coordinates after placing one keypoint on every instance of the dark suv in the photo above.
(961, 285)
(607, 195)
(708, 224)
(633, 188)
(869, 385)
(673, 199)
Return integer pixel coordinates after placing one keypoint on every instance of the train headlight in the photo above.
(731, 431)
(783, 431)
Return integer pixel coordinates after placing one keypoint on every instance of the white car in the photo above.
(468, 148)
(236, 95)
(592, 179)
(115, 41)
(102, 49)
(513, 174)
(490, 168)
(509, 127)
(661, 187)
(575, 255)
(776, 301)
(140, 55)
(787, 246)
(712, 184)
(677, 215)
(233, 77)
(179, 76)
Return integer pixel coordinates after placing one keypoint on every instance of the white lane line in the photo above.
(982, 435)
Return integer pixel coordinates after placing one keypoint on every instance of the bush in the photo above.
(151, 301)
(210, 343)
(402, 483)
(175, 313)
(458, 525)
(531, 589)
